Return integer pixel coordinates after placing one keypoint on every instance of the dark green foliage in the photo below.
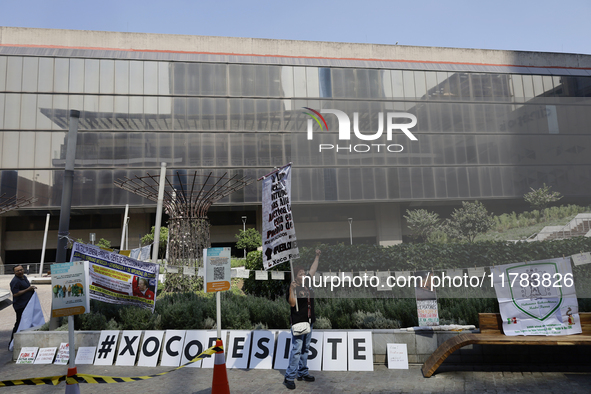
(135, 318)
(270, 289)
(250, 239)
(179, 283)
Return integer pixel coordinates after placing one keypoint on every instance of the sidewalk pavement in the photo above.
(523, 378)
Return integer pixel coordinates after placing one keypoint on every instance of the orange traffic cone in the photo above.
(220, 376)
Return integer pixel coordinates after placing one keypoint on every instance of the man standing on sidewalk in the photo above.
(22, 291)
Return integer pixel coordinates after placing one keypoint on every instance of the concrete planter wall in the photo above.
(420, 344)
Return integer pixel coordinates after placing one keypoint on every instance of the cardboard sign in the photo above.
(150, 349)
(128, 348)
(173, 348)
(283, 349)
(383, 277)
(107, 347)
(334, 356)
(218, 272)
(263, 346)
(45, 355)
(315, 351)
(63, 354)
(261, 275)
(581, 258)
(27, 355)
(69, 284)
(397, 356)
(85, 355)
(277, 275)
(238, 349)
(360, 351)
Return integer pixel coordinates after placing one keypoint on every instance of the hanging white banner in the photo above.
(537, 298)
(279, 239)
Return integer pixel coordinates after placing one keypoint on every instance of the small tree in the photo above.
(541, 198)
(250, 240)
(422, 223)
(469, 221)
(149, 238)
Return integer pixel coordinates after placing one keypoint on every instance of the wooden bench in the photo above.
(491, 333)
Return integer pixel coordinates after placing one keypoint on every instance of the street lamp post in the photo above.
(351, 230)
(243, 230)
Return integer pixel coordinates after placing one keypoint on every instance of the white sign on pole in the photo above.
(360, 351)
(27, 355)
(211, 340)
(581, 258)
(263, 345)
(279, 238)
(195, 344)
(238, 349)
(85, 355)
(128, 348)
(150, 349)
(397, 356)
(218, 273)
(173, 348)
(315, 351)
(106, 348)
(45, 355)
(283, 349)
(63, 354)
(334, 357)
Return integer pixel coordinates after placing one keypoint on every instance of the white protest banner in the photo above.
(85, 355)
(537, 298)
(63, 354)
(27, 355)
(69, 282)
(397, 356)
(118, 279)
(45, 355)
(279, 239)
(426, 299)
(218, 272)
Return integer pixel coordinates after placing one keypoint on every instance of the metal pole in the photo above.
(159, 213)
(219, 313)
(124, 226)
(244, 230)
(44, 245)
(351, 230)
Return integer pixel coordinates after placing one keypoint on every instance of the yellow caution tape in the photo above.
(86, 378)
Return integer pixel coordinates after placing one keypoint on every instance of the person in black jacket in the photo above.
(22, 291)
(304, 296)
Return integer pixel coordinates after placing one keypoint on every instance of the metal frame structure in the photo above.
(14, 202)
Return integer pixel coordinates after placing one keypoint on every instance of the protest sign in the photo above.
(118, 279)
(217, 269)
(279, 239)
(27, 355)
(426, 299)
(537, 298)
(69, 283)
(45, 355)
(63, 354)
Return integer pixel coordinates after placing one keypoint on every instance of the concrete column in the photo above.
(388, 224)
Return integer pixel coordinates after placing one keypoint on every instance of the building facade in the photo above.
(488, 126)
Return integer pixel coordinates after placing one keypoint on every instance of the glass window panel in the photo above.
(221, 79)
(61, 75)
(528, 87)
(136, 77)
(376, 89)
(26, 150)
(338, 84)
(75, 102)
(12, 111)
(121, 113)
(312, 84)
(91, 75)
(207, 84)
(192, 82)
(362, 85)
(208, 149)
(249, 114)
(261, 80)
(121, 77)
(409, 84)
(420, 84)
(10, 152)
(428, 182)
(151, 149)
(208, 114)
(136, 113)
(221, 114)
(151, 113)
(164, 77)
(221, 149)
(136, 150)
(60, 109)
(121, 149)
(105, 115)
(463, 183)
(30, 74)
(299, 76)
(194, 142)
(397, 84)
(76, 84)
(443, 83)
(180, 113)
(181, 149)
(2, 72)
(262, 113)
(248, 80)
(150, 78)
(58, 146)
(473, 182)
(235, 71)
(194, 114)
(107, 76)
(277, 149)
(45, 83)
(14, 74)
(431, 84)
(439, 182)
(2, 99)
(164, 113)
(548, 84)
(386, 83)
(28, 111)
(517, 83)
(286, 89)
(236, 151)
(179, 72)
(487, 90)
(236, 118)
(538, 85)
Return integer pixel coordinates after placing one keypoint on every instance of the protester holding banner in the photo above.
(22, 291)
(304, 296)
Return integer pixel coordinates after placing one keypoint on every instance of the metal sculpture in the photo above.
(14, 202)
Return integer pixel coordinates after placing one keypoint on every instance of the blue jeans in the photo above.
(298, 357)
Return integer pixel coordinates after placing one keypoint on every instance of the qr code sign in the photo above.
(218, 273)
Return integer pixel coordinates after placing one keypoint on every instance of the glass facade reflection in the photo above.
(481, 135)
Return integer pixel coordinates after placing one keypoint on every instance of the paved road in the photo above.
(450, 379)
